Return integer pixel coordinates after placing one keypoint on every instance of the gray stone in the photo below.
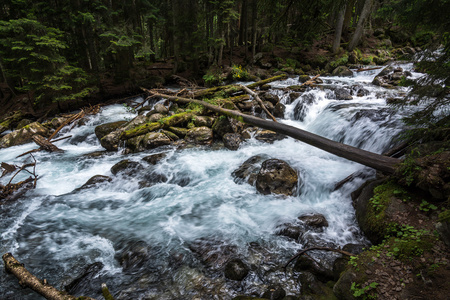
(200, 136)
(277, 177)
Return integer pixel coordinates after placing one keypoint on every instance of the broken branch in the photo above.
(258, 100)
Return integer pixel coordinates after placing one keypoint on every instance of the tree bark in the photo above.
(360, 26)
(26, 279)
(338, 30)
(373, 160)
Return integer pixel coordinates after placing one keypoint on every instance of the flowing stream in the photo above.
(171, 240)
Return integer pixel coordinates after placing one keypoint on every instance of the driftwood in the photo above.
(28, 280)
(45, 144)
(317, 248)
(367, 158)
(310, 82)
(258, 100)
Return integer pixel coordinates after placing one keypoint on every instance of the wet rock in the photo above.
(105, 129)
(232, 140)
(151, 179)
(95, 180)
(385, 71)
(277, 177)
(111, 141)
(134, 256)
(150, 140)
(339, 266)
(155, 117)
(306, 263)
(155, 158)
(342, 71)
(126, 167)
(200, 136)
(249, 169)
(443, 228)
(213, 253)
(342, 94)
(181, 132)
(278, 110)
(293, 96)
(23, 135)
(274, 99)
(172, 136)
(314, 220)
(236, 269)
(161, 109)
(95, 154)
(222, 126)
(269, 136)
(354, 248)
(274, 292)
(313, 289)
(359, 91)
(290, 230)
(303, 78)
(342, 287)
(84, 282)
(200, 121)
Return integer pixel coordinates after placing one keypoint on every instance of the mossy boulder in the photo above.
(150, 140)
(200, 121)
(276, 177)
(342, 71)
(104, 129)
(269, 136)
(200, 136)
(232, 140)
(23, 135)
(222, 126)
(95, 180)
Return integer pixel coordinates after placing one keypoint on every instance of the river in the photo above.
(171, 240)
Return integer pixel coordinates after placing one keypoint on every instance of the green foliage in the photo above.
(425, 206)
(239, 73)
(339, 62)
(364, 292)
(408, 168)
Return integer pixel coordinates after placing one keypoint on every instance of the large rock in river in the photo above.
(23, 135)
(200, 135)
(104, 129)
(276, 177)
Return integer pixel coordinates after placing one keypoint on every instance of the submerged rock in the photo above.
(314, 220)
(306, 263)
(276, 177)
(155, 158)
(235, 269)
(290, 230)
(23, 135)
(84, 282)
(95, 180)
(134, 256)
(126, 167)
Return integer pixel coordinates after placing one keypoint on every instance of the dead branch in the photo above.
(310, 82)
(367, 158)
(45, 144)
(60, 139)
(317, 248)
(28, 280)
(8, 168)
(258, 100)
(29, 152)
(20, 170)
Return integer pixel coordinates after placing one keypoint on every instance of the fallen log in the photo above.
(28, 280)
(367, 158)
(235, 88)
(45, 144)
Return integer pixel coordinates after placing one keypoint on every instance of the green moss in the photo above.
(444, 216)
(339, 62)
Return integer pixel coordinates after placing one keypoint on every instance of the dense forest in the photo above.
(68, 63)
(55, 51)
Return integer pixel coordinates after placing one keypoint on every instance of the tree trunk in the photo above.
(360, 26)
(254, 29)
(338, 30)
(373, 160)
(26, 279)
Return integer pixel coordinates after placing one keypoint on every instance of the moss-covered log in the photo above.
(370, 159)
(28, 280)
(235, 88)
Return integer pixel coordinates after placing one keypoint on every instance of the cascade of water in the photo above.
(57, 230)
